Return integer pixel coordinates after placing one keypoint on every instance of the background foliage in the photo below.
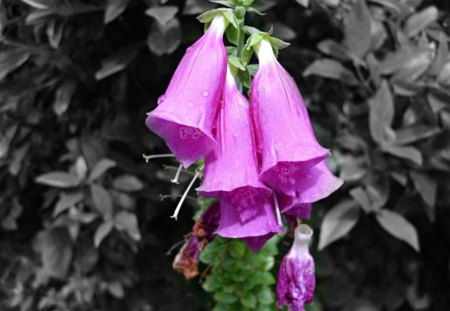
(83, 225)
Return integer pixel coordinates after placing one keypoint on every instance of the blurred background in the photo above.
(84, 221)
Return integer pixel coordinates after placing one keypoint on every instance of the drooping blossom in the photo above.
(203, 232)
(286, 142)
(296, 279)
(255, 231)
(231, 169)
(185, 113)
(186, 261)
(205, 227)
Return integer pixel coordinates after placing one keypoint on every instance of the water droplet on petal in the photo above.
(190, 104)
(234, 135)
(188, 49)
(205, 93)
(161, 99)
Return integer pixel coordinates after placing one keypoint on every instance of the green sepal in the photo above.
(236, 63)
(253, 69)
(246, 2)
(277, 44)
(227, 3)
(247, 51)
(231, 50)
(245, 78)
(208, 16)
(253, 10)
(232, 35)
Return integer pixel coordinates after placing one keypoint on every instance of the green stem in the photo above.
(240, 48)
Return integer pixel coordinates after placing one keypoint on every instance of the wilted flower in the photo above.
(185, 113)
(186, 261)
(284, 134)
(296, 280)
(205, 227)
(264, 223)
(231, 169)
(203, 232)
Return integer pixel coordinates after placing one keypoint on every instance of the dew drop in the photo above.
(205, 93)
(161, 99)
(190, 104)
(234, 135)
(188, 49)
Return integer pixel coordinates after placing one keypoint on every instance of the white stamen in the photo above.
(277, 210)
(177, 175)
(177, 209)
(264, 52)
(154, 156)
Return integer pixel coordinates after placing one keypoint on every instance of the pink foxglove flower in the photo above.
(296, 279)
(231, 169)
(185, 113)
(286, 141)
(262, 224)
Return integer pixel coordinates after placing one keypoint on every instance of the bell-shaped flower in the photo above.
(285, 138)
(231, 169)
(296, 279)
(315, 184)
(185, 113)
(264, 223)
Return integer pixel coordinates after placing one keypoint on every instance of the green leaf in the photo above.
(67, 200)
(426, 186)
(399, 227)
(55, 248)
(420, 21)
(114, 8)
(357, 29)
(249, 300)
(265, 296)
(58, 179)
(334, 49)
(164, 39)
(441, 55)
(226, 298)
(265, 278)
(102, 201)
(128, 222)
(193, 7)
(127, 183)
(237, 248)
(408, 153)
(11, 60)
(331, 69)
(117, 62)
(100, 168)
(304, 3)
(102, 232)
(162, 14)
(236, 62)
(63, 96)
(381, 114)
(360, 195)
(338, 222)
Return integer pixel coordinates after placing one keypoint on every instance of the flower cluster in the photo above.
(261, 160)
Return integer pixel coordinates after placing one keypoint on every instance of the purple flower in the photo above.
(262, 224)
(286, 141)
(296, 280)
(231, 169)
(205, 227)
(186, 261)
(185, 113)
